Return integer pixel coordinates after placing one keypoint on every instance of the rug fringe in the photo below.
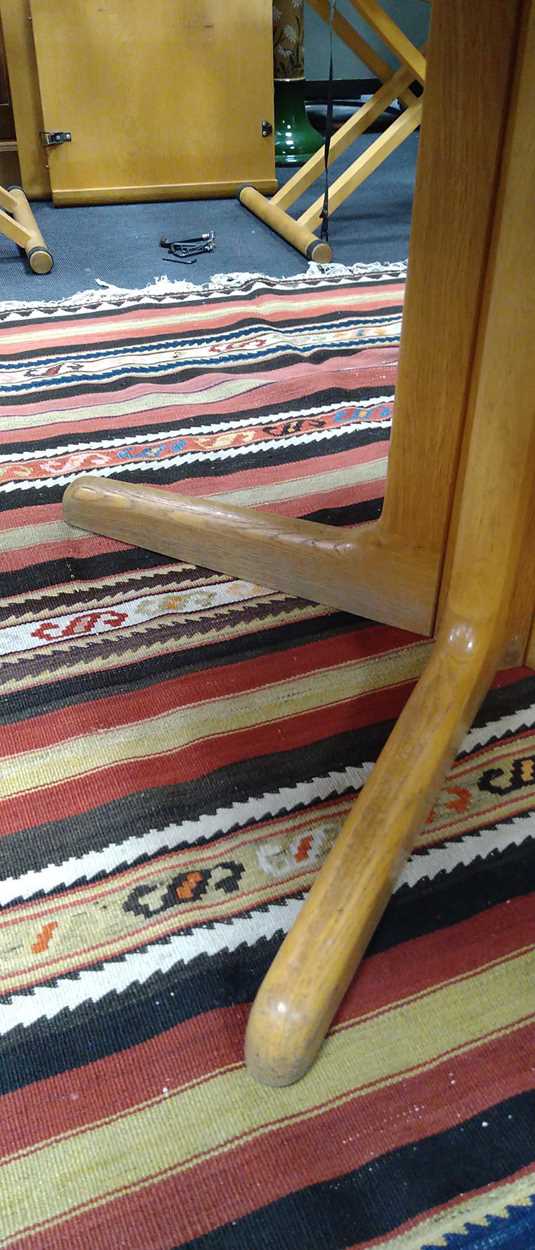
(220, 283)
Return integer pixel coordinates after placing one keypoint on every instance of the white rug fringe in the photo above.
(220, 283)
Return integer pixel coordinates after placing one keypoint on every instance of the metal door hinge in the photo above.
(52, 138)
(267, 129)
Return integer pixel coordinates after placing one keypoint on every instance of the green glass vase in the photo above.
(295, 137)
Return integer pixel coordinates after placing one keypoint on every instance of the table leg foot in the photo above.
(313, 968)
(359, 570)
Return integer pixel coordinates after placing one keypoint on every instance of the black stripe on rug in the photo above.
(120, 425)
(396, 1187)
(123, 677)
(116, 1022)
(235, 332)
(112, 823)
(241, 459)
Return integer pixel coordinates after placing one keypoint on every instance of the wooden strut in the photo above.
(495, 489)
(18, 223)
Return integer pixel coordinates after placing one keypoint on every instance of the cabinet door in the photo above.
(163, 100)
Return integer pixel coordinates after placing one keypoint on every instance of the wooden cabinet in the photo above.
(162, 101)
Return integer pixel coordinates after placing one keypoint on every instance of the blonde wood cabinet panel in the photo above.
(163, 100)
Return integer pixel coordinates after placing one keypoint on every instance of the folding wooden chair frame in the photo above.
(453, 552)
(18, 223)
(301, 231)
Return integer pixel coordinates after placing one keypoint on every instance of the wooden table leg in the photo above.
(480, 374)
(315, 964)
(470, 64)
(356, 570)
(393, 569)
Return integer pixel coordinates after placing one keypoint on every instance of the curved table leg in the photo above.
(311, 973)
(315, 964)
(309, 977)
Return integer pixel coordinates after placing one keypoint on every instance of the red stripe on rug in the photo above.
(273, 667)
(203, 396)
(200, 759)
(183, 1054)
(38, 515)
(86, 792)
(328, 1144)
(238, 479)
(344, 497)
(207, 317)
(81, 549)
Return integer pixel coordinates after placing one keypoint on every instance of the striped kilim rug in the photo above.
(178, 750)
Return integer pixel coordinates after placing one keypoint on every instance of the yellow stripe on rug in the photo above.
(175, 730)
(173, 1133)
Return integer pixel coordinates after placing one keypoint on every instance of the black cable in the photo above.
(324, 232)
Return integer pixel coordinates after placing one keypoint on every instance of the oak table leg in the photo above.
(391, 570)
(356, 570)
(315, 964)
(481, 380)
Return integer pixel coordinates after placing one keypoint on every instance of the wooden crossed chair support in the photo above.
(453, 552)
(18, 223)
(301, 231)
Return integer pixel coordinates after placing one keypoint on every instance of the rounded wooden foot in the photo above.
(280, 1044)
(40, 260)
(313, 969)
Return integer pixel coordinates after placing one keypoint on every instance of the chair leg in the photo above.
(300, 232)
(18, 223)
(394, 38)
(363, 50)
(341, 140)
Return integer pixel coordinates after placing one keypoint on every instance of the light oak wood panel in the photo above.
(162, 100)
(143, 194)
(25, 97)
(466, 103)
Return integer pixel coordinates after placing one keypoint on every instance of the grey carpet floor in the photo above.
(120, 243)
